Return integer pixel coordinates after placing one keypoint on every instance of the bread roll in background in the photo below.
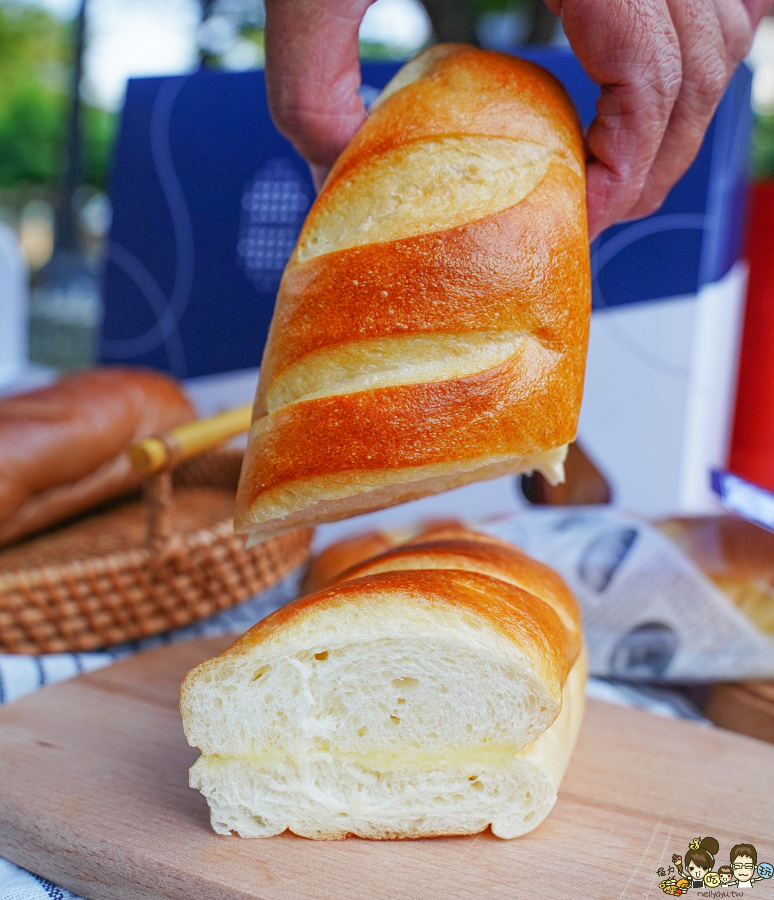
(63, 447)
(431, 325)
(336, 558)
(430, 693)
(737, 555)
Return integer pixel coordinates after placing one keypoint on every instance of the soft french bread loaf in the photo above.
(737, 555)
(63, 447)
(437, 689)
(339, 557)
(432, 322)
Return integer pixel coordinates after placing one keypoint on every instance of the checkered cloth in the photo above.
(20, 675)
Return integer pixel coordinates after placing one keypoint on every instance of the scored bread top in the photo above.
(483, 109)
(433, 318)
(493, 277)
(494, 94)
(505, 563)
(336, 558)
(524, 607)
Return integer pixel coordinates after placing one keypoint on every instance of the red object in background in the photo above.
(752, 443)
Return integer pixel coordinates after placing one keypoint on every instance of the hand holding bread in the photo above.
(662, 68)
(431, 324)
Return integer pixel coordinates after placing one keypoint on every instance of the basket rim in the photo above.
(32, 576)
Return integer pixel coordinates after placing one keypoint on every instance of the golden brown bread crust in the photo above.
(62, 448)
(483, 577)
(494, 94)
(504, 272)
(336, 558)
(490, 414)
(339, 557)
(529, 622)
(520, 270)
(494, 559)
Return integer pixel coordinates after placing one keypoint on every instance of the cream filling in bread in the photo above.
(392, 361)
(410, 792)
(423, 187)
(333, 497)
(489, 756)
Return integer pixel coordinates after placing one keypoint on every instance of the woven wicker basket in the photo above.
(139, 567)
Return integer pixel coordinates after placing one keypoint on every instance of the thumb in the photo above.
(313, 73)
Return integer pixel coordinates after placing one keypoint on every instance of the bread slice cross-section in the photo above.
(432, 696)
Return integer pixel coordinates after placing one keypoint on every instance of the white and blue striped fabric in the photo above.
(19, 675)
(18, 884)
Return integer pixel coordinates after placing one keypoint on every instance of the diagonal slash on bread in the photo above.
(431, 325)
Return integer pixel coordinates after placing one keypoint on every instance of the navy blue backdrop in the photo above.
(208, 199)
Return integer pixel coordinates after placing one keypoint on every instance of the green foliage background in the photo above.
(35, 53)
(763, 147)
(34, 64)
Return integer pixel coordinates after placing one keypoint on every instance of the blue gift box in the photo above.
(208, 199)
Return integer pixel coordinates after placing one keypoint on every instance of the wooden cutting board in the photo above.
(744, 706)
(94, 796)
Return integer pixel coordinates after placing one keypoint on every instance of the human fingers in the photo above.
(631, 49)
(714, 36)
(757, 9)
(313, 75)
